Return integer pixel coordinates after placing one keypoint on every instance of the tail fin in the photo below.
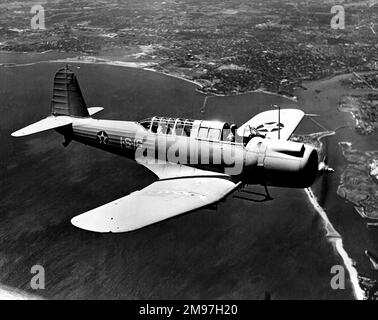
(67, 103)
(67, 98)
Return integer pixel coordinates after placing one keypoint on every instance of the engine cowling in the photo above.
(284, 163)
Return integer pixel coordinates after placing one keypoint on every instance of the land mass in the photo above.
(228, 47)
(358, 182)
(364, 109)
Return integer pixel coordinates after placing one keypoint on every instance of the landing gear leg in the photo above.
(66, 141)
(264, 197)
(268, 197)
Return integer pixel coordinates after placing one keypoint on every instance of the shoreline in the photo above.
(293, 99)
(147, 66)
(343, 191)
(336, 240)
(332, 235)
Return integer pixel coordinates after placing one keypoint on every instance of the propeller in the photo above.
(324, 171)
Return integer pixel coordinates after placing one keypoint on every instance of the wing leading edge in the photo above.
(159, 201)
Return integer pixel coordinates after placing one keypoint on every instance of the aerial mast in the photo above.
(279, 120)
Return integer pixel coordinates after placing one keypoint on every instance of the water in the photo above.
(240, 251)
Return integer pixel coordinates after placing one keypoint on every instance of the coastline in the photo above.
(293, 99)
(335, 238)
(332, 235)
(326, 95)
(148, 66)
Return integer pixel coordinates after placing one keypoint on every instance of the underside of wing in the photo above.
(159, 201)
(274, 124)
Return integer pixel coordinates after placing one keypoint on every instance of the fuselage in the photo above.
(259, 161)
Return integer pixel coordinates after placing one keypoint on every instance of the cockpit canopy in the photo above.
(199, 129)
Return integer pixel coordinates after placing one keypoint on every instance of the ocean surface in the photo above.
(240, 251)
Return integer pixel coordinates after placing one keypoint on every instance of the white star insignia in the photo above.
(102, 137)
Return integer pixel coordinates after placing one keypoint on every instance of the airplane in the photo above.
(196, 164)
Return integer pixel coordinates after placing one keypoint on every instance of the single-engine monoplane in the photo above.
(198, 162)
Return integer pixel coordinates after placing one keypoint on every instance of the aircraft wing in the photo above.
(267, 123)
(159, 201)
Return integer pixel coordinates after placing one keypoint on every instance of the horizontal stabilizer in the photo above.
(159, 201)
(94, 110)
(48, 123)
